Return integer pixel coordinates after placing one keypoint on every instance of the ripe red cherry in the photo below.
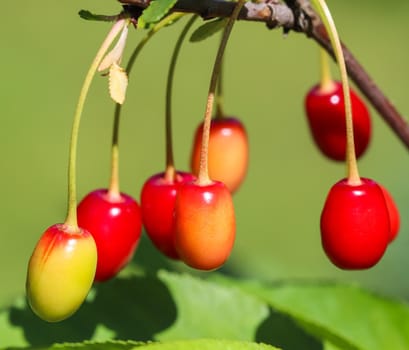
(60, 272)
(355, 227)
(205, 224)
(228, 151)
(394, 217)
(326, 117)
(115, 223)
(157, 205)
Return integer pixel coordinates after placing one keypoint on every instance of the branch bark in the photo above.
(298, 16)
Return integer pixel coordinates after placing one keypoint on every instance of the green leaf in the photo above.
(168, 306)
(136, 308)
(208, 29)
(206, 344)
(89, 16)
(198, 344)
(89, 345)
(206, 309)
(155, 12)
(143, 308)
(344, 315)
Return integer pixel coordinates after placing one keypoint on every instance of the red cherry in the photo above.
(326, 117)
(205, 224)
(60, 272)
(115, 223)
(157, 205)
(228, 151)
(355, 227)
(394, 217)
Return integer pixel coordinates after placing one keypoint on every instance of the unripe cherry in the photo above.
(205, 224)
(115, 223)
(228, 152)
(355, 228)
(60, 272)
(158, 198)
(326, 117)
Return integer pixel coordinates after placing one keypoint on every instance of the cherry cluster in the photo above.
(189, 216)
(195, 222)
(360, 219)
(185, 220)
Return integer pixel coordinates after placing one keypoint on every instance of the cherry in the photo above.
(394, 217)
(355, 228)
(60, 272)
(157, 205)
(228, 151)
(115, 223)
(326, 117)
(204, 224)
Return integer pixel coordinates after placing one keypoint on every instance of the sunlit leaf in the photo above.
(155, 12)
(347, 316)
(206, 309)
(169, 306)
(143, 308)
(199, 344)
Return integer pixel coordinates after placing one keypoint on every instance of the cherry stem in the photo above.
(114, 192)
(219, 94)
(203, 178)
(170, 171)
(71, 219)
(352, 166)
(326, 84)
(114, 189)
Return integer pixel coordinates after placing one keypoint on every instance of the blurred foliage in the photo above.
(165, 306)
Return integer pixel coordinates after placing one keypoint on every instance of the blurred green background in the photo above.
(46, 50)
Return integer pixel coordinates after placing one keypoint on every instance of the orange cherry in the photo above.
(228, 152)
(205, 225)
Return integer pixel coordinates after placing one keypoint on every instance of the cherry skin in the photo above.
(394, 217)
(205, 224)
(157, 205)
(115, 223)
(60, 272)
(355, 226)
(228, 151)
(326, 117)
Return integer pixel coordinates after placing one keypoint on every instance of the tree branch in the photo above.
(298, 16)
(274, 14)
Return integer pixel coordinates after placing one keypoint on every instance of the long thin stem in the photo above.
(71, 218)
(114, 188)
(326, 84)
(219, 94)
(203, 177)
(352, 166)
(170, 163)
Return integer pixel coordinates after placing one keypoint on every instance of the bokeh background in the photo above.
(46, 50)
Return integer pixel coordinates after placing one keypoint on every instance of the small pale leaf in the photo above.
(115, 55)
(118, 82)
(207, 30)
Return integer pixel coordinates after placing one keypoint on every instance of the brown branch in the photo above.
(299, 16)
(274, 14)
